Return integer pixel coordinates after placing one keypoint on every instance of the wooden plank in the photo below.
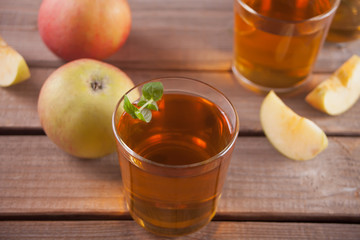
(39, 180)
(177, 35)
(214, 230)
(18, 104)
(260, 181)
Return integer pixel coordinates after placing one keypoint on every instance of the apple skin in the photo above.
(74, 29)
(76, 104)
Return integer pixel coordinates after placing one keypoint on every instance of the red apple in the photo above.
(74, 29)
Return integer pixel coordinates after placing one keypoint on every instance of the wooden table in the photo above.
(45, 193)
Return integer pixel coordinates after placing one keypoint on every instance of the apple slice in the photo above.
(13, 68)
(294, 136)
(340, 91)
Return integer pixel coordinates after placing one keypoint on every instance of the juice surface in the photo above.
(186, 129)
(289, 10)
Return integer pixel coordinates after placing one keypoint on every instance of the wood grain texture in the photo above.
(38, 179)
(18, 104)
(129, 230)
(183, 35)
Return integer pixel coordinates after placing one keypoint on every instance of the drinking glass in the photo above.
(276, 42)
(173, 168)
(346, 23)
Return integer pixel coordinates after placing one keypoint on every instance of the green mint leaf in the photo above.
(153, 90)
(146, 114)
(142, 101)
(129, 108)
(152, 106)
(139, 116)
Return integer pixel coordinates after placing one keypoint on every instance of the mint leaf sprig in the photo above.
(151, 93)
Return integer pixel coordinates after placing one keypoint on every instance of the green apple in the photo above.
(76, 103)
(13, 68)
(294, 136)
(340, 92)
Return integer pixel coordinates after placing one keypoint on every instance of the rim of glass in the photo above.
(315, 18)
(148, 161)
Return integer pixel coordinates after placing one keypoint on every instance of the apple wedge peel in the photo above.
(296, 137)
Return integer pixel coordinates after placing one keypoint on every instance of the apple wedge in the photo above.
(294, 136)
(340, 91)
(13, 68)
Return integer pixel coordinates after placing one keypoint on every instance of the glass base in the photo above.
(171, 232)
(246, 83)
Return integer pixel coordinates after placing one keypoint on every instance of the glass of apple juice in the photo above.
(346, 23)
(276, 42)
(174, 166)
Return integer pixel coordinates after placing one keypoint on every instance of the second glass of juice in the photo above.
(346, 23)
(173, 168)
(276, 42)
